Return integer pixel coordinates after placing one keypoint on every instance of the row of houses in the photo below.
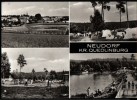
(14, 19)
(56, 18)
(31, 19)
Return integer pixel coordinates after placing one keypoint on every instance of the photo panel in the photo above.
(103, 75)
(31, 73)
(35, 24)
(103, 21)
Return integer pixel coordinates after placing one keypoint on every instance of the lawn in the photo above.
(33, 40)
(34, 92)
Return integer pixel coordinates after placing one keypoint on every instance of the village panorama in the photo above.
(29, 26)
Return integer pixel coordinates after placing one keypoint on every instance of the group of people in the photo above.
(99, 92)
(92, 95)
(112, 88)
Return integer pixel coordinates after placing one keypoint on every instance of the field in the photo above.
(48, 28)
(34, 40)
(34, 92)
(36, 35)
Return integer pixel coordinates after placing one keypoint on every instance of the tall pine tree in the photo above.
(97, 21)
(5, 66)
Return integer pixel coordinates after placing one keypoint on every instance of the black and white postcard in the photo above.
(68, 49)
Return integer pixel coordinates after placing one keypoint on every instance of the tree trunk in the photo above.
(20, 72)
(33, 77)
(127, 15)
(120, 18)
(84, 28)
(94, 10)
(102, 12)
(3, 75)
(48, 83)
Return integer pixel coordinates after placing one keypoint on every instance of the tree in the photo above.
(74, 28)
(94, 4)
(65, 18)
(132, 57)
(104, 6)
(120, 6)
(21, 62)
(38, 16)
(5, 65)
(124, 59)
(53, 75)
(33, 72)
(127, 14)
(46, 72)
(97, 21)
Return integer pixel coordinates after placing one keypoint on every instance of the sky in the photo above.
(81, 11)
(32, 8)
(86, 56)
(39, 58)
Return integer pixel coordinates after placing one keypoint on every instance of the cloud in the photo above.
(27, 8)
(59, 9)
(44, 8)
(78, 4)
(37, 59)
(19, 10)
(40, 63)
(56, 61)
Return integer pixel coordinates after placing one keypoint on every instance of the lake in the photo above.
(80, 83)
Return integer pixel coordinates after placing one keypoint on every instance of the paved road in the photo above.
(87, 39)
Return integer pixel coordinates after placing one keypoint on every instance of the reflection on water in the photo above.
(80, 83)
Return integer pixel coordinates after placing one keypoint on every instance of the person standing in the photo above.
(136, 89)
(88, 91)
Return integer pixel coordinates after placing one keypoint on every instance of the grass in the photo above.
(36, 35)
(34, 92)
(47, 28)
(34, 40)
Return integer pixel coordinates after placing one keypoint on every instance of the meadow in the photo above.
(34, 40)
(34, 92)
(36, 35)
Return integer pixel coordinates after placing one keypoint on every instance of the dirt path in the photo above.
(86, 39)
